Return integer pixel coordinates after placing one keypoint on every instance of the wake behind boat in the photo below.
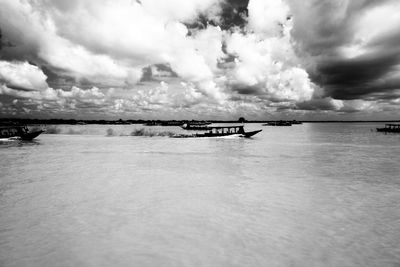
(221, 131)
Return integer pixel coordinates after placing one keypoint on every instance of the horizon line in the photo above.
(182, 120)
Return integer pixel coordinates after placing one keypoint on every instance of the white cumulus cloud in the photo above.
(22, 74)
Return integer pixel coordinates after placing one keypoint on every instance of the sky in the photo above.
(200, 59)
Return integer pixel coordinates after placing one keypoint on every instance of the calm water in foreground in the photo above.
(307, 195)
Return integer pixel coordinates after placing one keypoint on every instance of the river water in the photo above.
(324, 194)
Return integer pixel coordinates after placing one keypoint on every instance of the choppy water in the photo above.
(307, 195)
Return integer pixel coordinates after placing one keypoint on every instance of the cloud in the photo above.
(22, 75)
(350, 48)
(320, 104)
(265, 63)
(91, 43)
(267, 17)
(55, 94)
(92, 40)
(360, 76)
(37, 37)
(200, 56)
(233, 13)
(291, 84)
(360, 105)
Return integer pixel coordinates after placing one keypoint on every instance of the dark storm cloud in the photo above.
(384, 96)
(324, 29)
(323, 25)
(355, 78)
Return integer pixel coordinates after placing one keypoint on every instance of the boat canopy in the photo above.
(228, 129)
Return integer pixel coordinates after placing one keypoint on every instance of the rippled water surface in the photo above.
(307, 195)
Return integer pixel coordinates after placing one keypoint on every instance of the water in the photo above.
(307, 195)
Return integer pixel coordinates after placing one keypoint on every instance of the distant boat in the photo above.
(390, 128)
(224, 131)
(278, 123)
(18, 132)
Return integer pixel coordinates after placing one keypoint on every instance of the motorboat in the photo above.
(18, 132)
(221, 131)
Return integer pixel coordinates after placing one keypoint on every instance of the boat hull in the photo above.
(31, 135)
(250, 134)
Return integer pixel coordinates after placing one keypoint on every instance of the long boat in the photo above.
(390, 128)
(18, 132)
(221, 131)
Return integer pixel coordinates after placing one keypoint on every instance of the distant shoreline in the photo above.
(127, 122)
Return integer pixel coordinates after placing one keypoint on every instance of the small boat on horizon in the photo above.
(389, 128)
(221, 131)
(18, 132)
